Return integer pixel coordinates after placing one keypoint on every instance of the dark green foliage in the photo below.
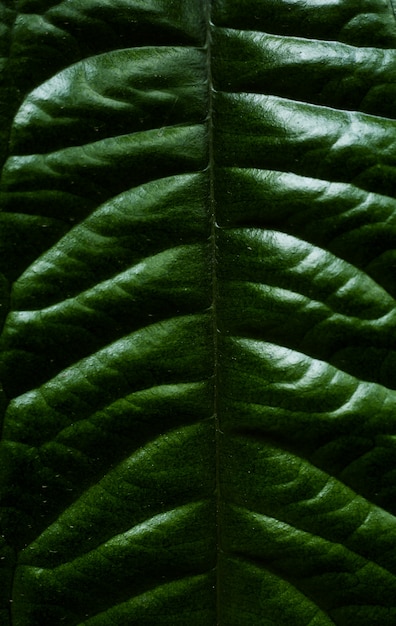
(198, 349)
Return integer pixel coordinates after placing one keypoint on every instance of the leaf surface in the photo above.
(198, 304)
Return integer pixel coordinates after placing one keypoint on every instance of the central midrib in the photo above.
(215, 330)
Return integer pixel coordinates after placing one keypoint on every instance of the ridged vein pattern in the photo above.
(305, 186)
(113, 479)
(108, 449)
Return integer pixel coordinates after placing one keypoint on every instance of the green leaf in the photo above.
(197, 296)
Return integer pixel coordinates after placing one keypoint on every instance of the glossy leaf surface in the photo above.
(198, 305)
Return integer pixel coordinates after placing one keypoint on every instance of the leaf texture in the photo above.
(198, 304)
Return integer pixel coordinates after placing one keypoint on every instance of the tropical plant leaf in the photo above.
(198, 306)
